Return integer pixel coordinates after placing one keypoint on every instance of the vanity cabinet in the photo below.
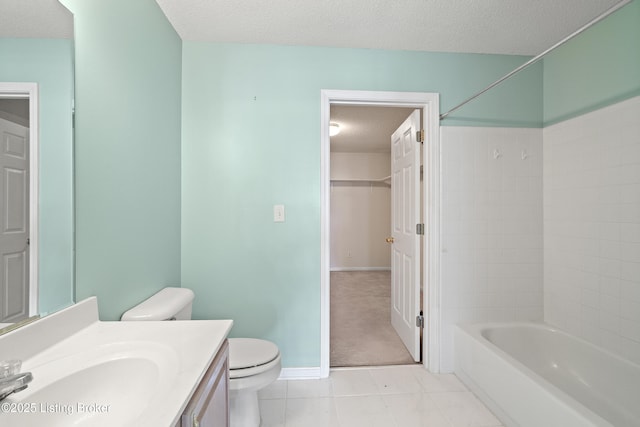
(209, 406)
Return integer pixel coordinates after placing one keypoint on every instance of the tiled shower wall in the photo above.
(491, 227)
(592, 227)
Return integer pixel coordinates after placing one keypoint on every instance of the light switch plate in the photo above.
(278, 213)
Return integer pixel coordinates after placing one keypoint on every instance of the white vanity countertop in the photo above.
(88, 372)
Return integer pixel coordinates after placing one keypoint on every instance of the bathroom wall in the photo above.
(591, 184)
(128, 101)
(598, 68)
(592, 226)
(360, 212)
(251, 139)
(491, 228)
(49, 62)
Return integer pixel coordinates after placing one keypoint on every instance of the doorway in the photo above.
(18, 201)
(361, 330)
(428, 104)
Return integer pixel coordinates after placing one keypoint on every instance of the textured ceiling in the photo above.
(36, 19)
(524, 27)
(480, 26)
(365, 129)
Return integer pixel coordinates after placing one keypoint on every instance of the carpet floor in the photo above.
(361, 331)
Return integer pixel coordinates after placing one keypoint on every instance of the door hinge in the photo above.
(420, 135)
(419, 228)
(420, 321)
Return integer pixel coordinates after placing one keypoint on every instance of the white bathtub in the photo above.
(533, 375)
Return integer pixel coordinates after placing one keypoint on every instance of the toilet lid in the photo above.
(249, 352)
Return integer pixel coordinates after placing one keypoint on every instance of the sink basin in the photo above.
(87, 372)
(97, 387)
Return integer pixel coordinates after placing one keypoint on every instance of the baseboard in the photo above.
(300, 373)
(360, 268)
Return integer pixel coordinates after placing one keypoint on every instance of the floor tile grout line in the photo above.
(384, 397)
(286, 401)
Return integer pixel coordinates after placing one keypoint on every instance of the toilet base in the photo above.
(244, 384)
(244, 409)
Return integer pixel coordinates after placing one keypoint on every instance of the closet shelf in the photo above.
(383, 180)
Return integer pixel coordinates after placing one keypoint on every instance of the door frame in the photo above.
(431, 158)
(28, 90)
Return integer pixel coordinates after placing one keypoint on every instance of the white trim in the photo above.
(360, 268)
(429, 102)
(22, 90)
(432, 208)
(300, 374)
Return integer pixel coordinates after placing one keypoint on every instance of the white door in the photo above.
(405, 252)
(14, 222)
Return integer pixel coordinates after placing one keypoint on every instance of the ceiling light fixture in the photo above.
(334, 129)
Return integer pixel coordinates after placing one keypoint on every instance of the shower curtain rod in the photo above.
(539, 56)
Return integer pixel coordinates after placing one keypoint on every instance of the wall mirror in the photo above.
(36, 155)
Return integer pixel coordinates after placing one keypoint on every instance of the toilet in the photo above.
(253, 363)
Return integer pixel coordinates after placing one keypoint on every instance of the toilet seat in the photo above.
(250, 356)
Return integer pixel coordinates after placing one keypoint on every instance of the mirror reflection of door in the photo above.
(14, 210)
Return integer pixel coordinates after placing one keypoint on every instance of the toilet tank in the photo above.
(168, 304)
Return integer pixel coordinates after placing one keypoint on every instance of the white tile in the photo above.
(496, 205)
(610, 267)
(353, 382)
(630, 310)
(505, 314)
(275, 390)
(363, 411)
(630, 329)
(529, 299)
(592, 231)
(610, 249)
(313, 412)
(610, 304)
(462, 409)
(590, 318)
(630, 290)
(609, 231)
(396, 380)
(309, 388)
(610, 286)
(630, 349)
(630, 193)
(590, 298)
(630, 251)
(438, 382)
(630, 232)
(415, 410)
(272, 412)
(630, 271)
(529, 314)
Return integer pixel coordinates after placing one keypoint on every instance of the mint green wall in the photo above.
(251, 139)
(128, 68)
(49, 62)
(597, 68)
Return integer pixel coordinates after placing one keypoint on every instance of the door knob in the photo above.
(389, 239)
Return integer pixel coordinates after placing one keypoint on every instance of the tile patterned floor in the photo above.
(398, 396)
